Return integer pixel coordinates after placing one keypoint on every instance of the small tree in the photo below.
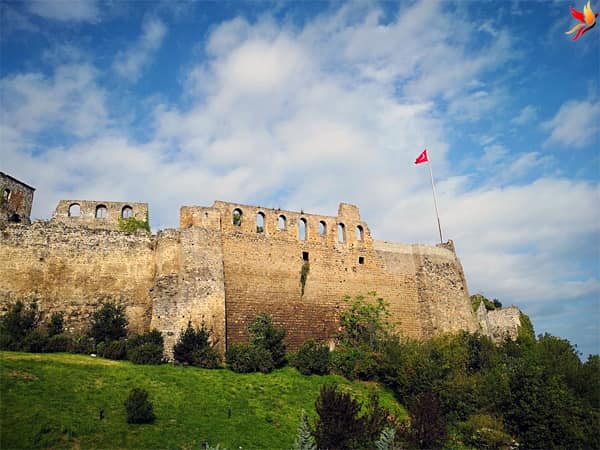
(304, 438)
(427, 423)
(146, 348)
(339, 425)
(264, 334)
(138, 407)
(109, 323)
(194, 347)
(56, 323)
(312, 358)
(365, 322)
(17, 324)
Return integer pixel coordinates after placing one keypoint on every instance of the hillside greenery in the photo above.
(461, 390)
(55, 400)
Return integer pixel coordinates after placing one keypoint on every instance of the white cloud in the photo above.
(65, 10)
(576, 124)
(130, 63)
(69, 101)
(526, 115)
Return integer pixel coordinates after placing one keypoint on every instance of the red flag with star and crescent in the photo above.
(422, 158)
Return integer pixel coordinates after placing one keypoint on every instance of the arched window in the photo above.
(281, 222)
(341, 233)
(260, 222)
(360, 234)
(6, 194)
(74, 210)
(322, 228)
(126, 212)
(302, 229)
(237, 217)
(101, 212)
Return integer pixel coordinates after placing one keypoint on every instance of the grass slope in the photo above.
(54, 400)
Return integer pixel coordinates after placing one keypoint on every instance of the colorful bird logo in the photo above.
(587, 19)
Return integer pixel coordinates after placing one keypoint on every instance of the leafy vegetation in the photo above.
(108, 323)
(132, 224)
(312, 358)
(195, 347)
(490, 305)
(139, 408)
(304, 271)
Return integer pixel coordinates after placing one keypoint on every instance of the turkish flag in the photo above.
(422, 157)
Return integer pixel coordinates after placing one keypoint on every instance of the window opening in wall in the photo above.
(237, 217)
(304, 256)
(6, 194)
(126, 212)
(15, 218)
(361, 259)
(302, 229)
(359, 233)
(322, 228)
(341, 233)
(100, 212)
(281, 223)
(260, 222)
(205, 215)
(74, 210)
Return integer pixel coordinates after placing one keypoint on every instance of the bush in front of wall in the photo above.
(249, 358)
(139, 409)
(312, 358)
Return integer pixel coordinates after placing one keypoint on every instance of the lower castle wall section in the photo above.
(189, 283)
(444, 305)
(262, 275)
(74, 269)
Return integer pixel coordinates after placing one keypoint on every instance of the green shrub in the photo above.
(312, 358)
(148, 353)
(55, 325)
(35, 341)
(82, 344)
(196, 348)
(249, 358)
(131, 224)
(483, 431)
(17, 323)
(365, 322)
(114, 349)
(109, 323)
(147, 348)
(58, 343)
(338, 425)
(139, 409)
(264, 334)
(355, 363)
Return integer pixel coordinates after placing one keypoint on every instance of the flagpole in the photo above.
(437, 214)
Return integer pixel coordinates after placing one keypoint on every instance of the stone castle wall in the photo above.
(97, 214)
(74, 269)
(226, 264)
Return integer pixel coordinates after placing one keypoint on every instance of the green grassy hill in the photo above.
(54, 400)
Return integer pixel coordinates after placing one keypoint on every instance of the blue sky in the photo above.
(301, 105)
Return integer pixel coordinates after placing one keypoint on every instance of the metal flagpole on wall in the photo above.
(437, 214)
(422, 158)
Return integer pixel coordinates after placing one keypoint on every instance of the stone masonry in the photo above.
(224, 265)
(16, 199)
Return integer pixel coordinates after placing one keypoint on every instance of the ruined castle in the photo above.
(224, 265)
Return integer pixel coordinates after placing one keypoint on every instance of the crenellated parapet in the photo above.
(98, 214)
(344, 230)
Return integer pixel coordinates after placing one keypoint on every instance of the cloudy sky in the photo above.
(301, 105)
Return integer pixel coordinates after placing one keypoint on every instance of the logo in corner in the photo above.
(587, 19)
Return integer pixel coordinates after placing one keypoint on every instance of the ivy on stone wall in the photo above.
(304, 275)
(131, 224)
